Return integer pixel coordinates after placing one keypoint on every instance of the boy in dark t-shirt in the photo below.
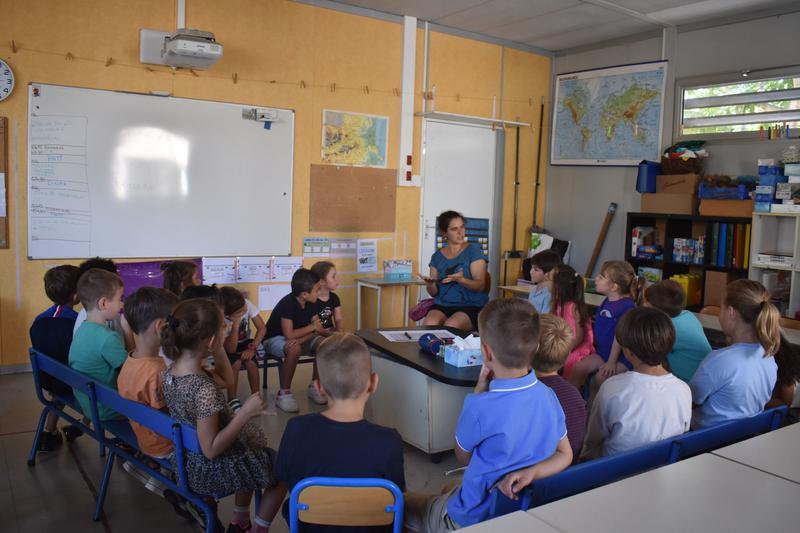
(555, 343)
(343, 443)
(294, 329)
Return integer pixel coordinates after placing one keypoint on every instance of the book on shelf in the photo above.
(747, 247)
(723, 238)
(714, 242)
(730, 245)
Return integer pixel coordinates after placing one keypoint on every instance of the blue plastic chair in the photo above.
(183, 437)
(42, 363)
(586, 476)
(353, 497)
(714, 437)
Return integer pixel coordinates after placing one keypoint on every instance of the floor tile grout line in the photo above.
(89, 485)
(10, 488)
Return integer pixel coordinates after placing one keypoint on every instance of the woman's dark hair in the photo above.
(445, 219)
(568, 287)
(191, 323)
(178, 275)
(232, 300)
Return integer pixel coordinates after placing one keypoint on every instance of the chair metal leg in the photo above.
(101, 496)
(211, 518)
(37, 437)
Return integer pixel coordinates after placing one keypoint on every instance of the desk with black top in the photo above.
(418, 393)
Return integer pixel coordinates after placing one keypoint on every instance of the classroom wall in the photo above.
(271, 46)
(578, 197)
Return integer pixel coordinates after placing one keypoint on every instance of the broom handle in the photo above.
(612, 208)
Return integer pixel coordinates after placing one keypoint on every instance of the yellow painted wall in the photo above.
(271, 46)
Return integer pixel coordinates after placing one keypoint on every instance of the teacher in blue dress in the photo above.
(457, 279)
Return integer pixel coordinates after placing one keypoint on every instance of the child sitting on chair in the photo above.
(511, 421)
(51, 334)
(691, 344)
(647, 404)
(240, 345)
(98, 351)
(294, 329)
(555, 342)
(146, 311)
(542, 265)
(338, 442)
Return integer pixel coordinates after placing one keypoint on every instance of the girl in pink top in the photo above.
(568, 303)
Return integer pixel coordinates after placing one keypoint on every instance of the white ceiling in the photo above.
(562, 24)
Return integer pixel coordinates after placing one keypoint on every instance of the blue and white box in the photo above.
(397, 269)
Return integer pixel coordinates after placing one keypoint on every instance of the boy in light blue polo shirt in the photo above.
(510, 422)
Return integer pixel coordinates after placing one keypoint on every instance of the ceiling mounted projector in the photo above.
(183, 48)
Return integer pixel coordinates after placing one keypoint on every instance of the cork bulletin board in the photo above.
(4, 179)
(352, 199)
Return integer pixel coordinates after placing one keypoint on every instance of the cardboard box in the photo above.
(677, 183)
(715, 286)
(671, 203)
(727, 208)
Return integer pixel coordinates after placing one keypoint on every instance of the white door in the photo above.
(458, 173)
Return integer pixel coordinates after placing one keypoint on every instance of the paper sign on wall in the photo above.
(367, 255)
(221, 270)
(316, 247)
(270, 295)
(343, 248)
(283, 268)
(253, 270)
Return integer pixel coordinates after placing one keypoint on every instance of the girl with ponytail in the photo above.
(234, 454)
(737, 381)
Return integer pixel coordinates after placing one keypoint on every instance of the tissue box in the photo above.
(457, 357)
(397, 269)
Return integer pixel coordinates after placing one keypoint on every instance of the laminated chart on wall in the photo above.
(58, 185)
(476, 230)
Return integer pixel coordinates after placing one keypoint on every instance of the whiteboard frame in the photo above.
(285, 248)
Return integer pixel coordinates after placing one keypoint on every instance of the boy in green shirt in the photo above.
(98, 351)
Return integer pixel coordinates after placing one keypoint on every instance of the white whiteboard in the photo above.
(129, 175)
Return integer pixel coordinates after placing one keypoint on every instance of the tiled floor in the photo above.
(58, 493)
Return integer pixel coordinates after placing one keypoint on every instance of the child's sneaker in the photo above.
(71, 433)
(315, 396)
(236, 527)
(286, 402)
(49, 442)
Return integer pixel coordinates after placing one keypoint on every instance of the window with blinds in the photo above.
(739, 109)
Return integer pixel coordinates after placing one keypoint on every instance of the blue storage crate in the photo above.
(723, 193)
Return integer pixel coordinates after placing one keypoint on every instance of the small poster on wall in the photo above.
(367, 255)
(610, 116)
(354, 139)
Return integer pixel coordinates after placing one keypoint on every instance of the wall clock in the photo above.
(6, 80)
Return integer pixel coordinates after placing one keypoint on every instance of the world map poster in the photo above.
(609, 116)
(354, 139)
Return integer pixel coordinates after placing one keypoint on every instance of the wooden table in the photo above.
(378, 283)
(705, 493)
(418, 394)
(592, 299)
(776, 452)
